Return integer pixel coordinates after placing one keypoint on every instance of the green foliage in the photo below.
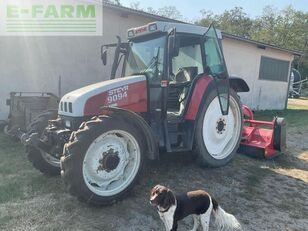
(166, 11)
(286, 28)
(234, 21)
(264, 27)
(303, 63)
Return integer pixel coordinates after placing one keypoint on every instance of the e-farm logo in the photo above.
(51, 18)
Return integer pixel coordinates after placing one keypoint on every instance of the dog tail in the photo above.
(224, 220)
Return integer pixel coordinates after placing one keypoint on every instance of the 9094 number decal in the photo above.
(117, 94)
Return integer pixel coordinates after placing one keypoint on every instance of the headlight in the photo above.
(67, 123)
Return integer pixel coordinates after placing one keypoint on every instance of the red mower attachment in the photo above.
(262, 139)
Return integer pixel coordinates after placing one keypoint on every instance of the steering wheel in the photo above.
(152, 75)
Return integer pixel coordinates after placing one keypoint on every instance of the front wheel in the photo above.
(102, 161)
(44, 162)
(218, 136)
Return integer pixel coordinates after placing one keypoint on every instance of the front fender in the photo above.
(141, 125)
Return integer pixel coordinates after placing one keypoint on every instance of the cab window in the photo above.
(146, 57)
(189, 57)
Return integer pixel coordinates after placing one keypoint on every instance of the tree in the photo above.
(287, 28)
(207, 18)
(166, 11)
(170, 12)
(264, 27)
(234, 21)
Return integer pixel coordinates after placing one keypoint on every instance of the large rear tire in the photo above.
(41, 160)
(102, 160)
(217, 136)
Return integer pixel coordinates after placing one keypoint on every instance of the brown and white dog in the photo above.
(172, 208)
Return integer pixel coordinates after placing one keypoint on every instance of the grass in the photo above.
(19, 180)
(296, 113)
(296, 116)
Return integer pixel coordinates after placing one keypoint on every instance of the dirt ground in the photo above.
(262, 194)
(299, 103)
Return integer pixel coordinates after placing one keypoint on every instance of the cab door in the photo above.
(214, 63)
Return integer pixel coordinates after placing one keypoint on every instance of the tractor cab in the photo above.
(172, 57)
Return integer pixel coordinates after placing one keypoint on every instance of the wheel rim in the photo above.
(221, 132)
(6, 130)
(111, 163)
(50, 159)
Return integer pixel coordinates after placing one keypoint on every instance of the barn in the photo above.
(36, 63)
(265, 68)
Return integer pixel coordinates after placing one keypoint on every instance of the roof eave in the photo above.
(294, 52)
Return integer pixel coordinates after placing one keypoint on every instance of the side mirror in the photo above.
(104, 55)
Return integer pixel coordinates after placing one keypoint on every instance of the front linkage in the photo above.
(52, 139)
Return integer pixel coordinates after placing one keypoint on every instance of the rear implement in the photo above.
(262, 139)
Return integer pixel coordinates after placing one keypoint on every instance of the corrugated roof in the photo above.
(224, 34)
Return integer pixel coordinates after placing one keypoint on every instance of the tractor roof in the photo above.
(160, 26)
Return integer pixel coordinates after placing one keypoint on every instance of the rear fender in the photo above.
(238, 84)
(200, 88)
(141, 125)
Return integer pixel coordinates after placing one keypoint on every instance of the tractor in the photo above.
(174, 95)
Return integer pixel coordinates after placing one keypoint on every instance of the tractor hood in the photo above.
(89, 100)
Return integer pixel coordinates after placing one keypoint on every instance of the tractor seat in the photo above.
(178, 90)
(184, 76)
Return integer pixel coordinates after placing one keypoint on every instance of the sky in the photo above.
(190, 9)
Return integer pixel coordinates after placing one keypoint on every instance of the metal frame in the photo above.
(299, 87)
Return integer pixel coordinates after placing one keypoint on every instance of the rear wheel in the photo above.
(102, 161)
(41, 160)
(218, 136)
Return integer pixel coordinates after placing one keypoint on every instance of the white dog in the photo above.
(172, 208)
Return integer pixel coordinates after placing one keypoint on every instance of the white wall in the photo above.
(35, 63)
(243, 60)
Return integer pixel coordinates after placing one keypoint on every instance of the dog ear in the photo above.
(168, 200)
(154, 188)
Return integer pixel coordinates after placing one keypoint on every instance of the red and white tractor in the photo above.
(174, 95)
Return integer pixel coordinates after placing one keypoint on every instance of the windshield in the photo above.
(146, 57)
